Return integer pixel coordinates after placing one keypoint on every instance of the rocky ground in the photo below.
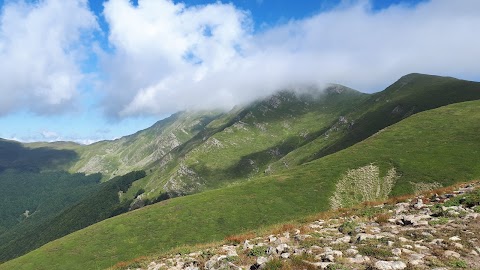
(430, 231)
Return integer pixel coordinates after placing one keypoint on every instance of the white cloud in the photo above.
(41, 46)
(169, 57)
(49, 135)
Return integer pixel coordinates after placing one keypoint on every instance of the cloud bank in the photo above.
(171, 57)
(166, 56)
(41, 46)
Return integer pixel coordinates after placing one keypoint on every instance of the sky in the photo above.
(89, 70)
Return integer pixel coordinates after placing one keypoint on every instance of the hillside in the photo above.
(269, 136)
(66, 208)
(431, 230)
(426, 150)
(136, 151)
(32, 186)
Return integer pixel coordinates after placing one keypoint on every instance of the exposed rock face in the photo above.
(409, 236)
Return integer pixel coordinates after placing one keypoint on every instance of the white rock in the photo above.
(351, 252)
(285, 255)
(450, 253)
(272, 238)
(345, 239)
(247, 245)
(396, 251)
(262, 260)
(390, 265)
(454, 238)
(282, 248)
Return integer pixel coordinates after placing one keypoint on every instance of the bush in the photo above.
(273, 264)
(348, 227)
(257, 251)
(379, 253)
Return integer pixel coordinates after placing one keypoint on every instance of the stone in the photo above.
(328, 258)
(231, 251)
(282, 248)
(345, 239)
(272, 238)
(285, 255)
(454, 238)
(359, 259)
(247, 245)
(390, 265)
(271, 251)
(402, 239)
(419, 204)
(458, 245)
(262, 260)
(396, 251)
(363, 236)
(450, 253)
(351, 252)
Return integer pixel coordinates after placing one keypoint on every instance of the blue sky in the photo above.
(92, 70)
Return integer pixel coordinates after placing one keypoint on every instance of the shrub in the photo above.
(238, 239)
(257, 251)
(348, 227)
(458, 264)
(382, 218)
(379, 253)
(273, 264)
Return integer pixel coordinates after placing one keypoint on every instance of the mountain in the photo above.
(423, 151)
(134, 152)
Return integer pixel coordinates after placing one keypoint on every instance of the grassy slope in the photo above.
(242, 143)
(440, 145)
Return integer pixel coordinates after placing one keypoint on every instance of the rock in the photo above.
(271, 251)
(285, 255)
(415, 257)
(345, 239)
(247, 245)
(390, 265)
(401, 207)
(301, 237)
(419, 204)
(321, 265)
(328, 258)
(282, 248)
(408, 220)
(458, 245)
(359, 259)
(351, 252)
(396, 251)
(402, 239)
(272, 238)
(231, 251)
(262, 260)
(454, 238)
(450, 253)
(363, 236)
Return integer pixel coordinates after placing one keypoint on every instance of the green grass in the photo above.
(440, 145)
